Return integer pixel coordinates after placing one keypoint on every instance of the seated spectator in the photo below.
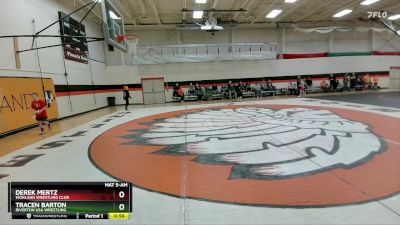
(242, 86)
(248, 86)
(271, 87)
(215, 88)
(264, 85)
(231, 91)
(257, 89)
(309, 82)
(175, 90)
(191, 89)
(324, 85)
(359, 81)
(199, 92)
(291, 88)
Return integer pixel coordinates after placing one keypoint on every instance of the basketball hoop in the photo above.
(127, 38)
(130, 41)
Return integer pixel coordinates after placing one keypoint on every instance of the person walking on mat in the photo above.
(126, 96)
(39, 106)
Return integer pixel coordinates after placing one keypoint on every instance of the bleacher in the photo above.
(268, 93)
(314, 90)
(210, 95)
(247, 94)
(190, 98)
(216, 96)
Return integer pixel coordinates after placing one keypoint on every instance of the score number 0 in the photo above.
(121, 206)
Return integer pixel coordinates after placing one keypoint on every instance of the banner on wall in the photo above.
(16, 99)
(74, 41)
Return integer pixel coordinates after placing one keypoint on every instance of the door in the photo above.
(394, 78)
(153, 91)
(159, 92)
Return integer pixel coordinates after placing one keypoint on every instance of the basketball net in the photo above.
(130, 41)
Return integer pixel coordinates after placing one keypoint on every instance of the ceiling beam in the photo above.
(314, 10)
(334, 9)
(297, 5)
(93, 11)
(213, 6)
(242, 6)
(184, 5)
(263, 12)
(127, 10)
(155, 10)
(142, 7)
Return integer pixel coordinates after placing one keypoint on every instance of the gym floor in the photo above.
(326, 159)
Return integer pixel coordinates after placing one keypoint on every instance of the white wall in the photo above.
(17, 18)
(294, 41)
(269, 68)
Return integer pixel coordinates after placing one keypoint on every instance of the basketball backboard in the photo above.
(113, 25)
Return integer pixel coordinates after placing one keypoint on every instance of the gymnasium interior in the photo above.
(189, 112)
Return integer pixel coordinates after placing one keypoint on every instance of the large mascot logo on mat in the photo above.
(263, 143)
(270, 155)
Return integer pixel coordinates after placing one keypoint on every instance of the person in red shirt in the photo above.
(39, 106)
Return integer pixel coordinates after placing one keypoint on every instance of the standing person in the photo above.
(39, 106)
(302, 88)
(291, 88)
(309, 82)
(376, 80)
(353, 82)
(126, 96)
(346, 83)
(324, 85)
(239, 91)
(257, 89)
(332, 84)
(366, 81)
(298, 83)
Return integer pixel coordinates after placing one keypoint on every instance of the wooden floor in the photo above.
(19, 140)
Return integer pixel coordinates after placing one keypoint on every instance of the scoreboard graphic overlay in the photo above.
(70, 200)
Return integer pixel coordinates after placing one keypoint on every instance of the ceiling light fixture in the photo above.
(394, 17)
(113, 15)
(369, 2)
(201, 1)
(343, 13)
(290, 1)
(274, 13)
(197, 14)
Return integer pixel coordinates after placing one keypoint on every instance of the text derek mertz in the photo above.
(39, 195)
(40, 206)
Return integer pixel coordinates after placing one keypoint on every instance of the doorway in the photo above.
(153, 90)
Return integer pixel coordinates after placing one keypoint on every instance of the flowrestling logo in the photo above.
(377, 15)
(273, 155)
